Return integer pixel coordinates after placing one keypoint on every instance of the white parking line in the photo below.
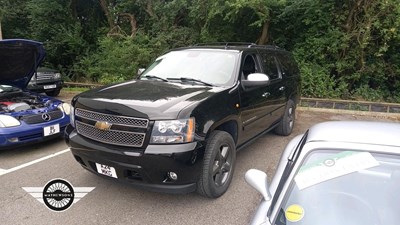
(3, 171)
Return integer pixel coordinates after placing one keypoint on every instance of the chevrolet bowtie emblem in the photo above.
(102, 125)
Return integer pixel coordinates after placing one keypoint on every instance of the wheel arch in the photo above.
(295, 97)
(230, 126)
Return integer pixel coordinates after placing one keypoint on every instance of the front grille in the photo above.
(44, 76)
(30, 137)
(115, 137)
(38, 118)
(119, 120)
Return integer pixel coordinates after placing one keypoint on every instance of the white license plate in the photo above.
(50, 130)
(106, 170)
(49, 86)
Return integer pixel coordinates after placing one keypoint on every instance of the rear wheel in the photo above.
(286, 125)
(218, 165)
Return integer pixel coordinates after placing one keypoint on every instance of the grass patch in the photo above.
(75, 89)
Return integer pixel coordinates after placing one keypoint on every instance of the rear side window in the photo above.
(288, 65)
(270, 66)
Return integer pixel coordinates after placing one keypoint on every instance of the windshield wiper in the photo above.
(155, 77)
(187, 79)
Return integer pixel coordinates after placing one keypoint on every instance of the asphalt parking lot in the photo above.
(115, 203)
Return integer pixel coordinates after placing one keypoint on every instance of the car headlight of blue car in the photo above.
(65, 107)
(8, 121)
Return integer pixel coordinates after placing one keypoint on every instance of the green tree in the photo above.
(345, 48)
(118, 59)
(52, 22)
(350, 41)
(13, 19)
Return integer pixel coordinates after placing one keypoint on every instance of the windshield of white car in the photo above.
(200, 66)
(346, 188)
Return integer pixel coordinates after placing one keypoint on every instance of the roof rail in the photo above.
(267, 46)
(245, 44)
(227, 44)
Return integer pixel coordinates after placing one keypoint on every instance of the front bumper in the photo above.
(48, 86)
(144, 168)
(29, 133)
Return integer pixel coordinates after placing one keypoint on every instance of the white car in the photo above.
(337, 173)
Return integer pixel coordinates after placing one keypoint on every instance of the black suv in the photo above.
(46, 80)
(178, 126)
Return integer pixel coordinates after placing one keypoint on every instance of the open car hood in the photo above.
(18, 61)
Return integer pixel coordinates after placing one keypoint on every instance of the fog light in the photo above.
(14, 139)
(172, 176)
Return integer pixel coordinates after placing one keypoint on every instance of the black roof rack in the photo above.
(226, 44)
(233, 44)
(267, 46)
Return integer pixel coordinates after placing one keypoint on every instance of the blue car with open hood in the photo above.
(26, 117)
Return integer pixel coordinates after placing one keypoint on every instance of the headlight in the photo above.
(32, 81)
(65, 107)
(173, 131)
(72, 117)
(8, 121)
(57, 76)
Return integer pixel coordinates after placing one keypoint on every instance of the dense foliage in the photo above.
(345, 48)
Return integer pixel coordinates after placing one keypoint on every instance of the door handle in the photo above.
(266, 94)
(282, 88)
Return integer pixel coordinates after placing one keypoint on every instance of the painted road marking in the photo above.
(3, 171)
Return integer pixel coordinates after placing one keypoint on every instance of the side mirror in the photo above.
(259, 181)
(256, 80)
(140, 71)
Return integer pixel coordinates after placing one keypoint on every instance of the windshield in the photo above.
(346, 188)
(7, 88)
(214, 67)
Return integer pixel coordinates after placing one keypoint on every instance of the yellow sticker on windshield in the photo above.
(294, 213)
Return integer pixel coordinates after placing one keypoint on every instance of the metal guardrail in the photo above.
(88, 85)
(350, 105)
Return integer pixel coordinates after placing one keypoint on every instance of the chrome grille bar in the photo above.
(115, 137)
(45, 76)
(114, 119)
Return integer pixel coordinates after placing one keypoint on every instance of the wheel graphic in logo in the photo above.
(58, 195)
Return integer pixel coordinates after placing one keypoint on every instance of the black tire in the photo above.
(286, 125)
(218, 165)
(53, 93)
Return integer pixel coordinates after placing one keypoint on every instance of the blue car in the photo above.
(26, 117)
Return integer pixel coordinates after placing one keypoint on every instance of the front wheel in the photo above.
(218, 165)
(286, 125)
(53, 93)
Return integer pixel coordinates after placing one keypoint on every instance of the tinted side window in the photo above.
(269, 65)
(250, 65)
(288, 65)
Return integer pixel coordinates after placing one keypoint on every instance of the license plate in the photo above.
(106, 170)
(49, 86)
(50, 130)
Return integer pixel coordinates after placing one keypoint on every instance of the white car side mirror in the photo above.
(258, 77)
(259, 181)
(140, 71)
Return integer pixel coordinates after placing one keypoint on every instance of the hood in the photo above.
(145, 99)
(18, 61)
